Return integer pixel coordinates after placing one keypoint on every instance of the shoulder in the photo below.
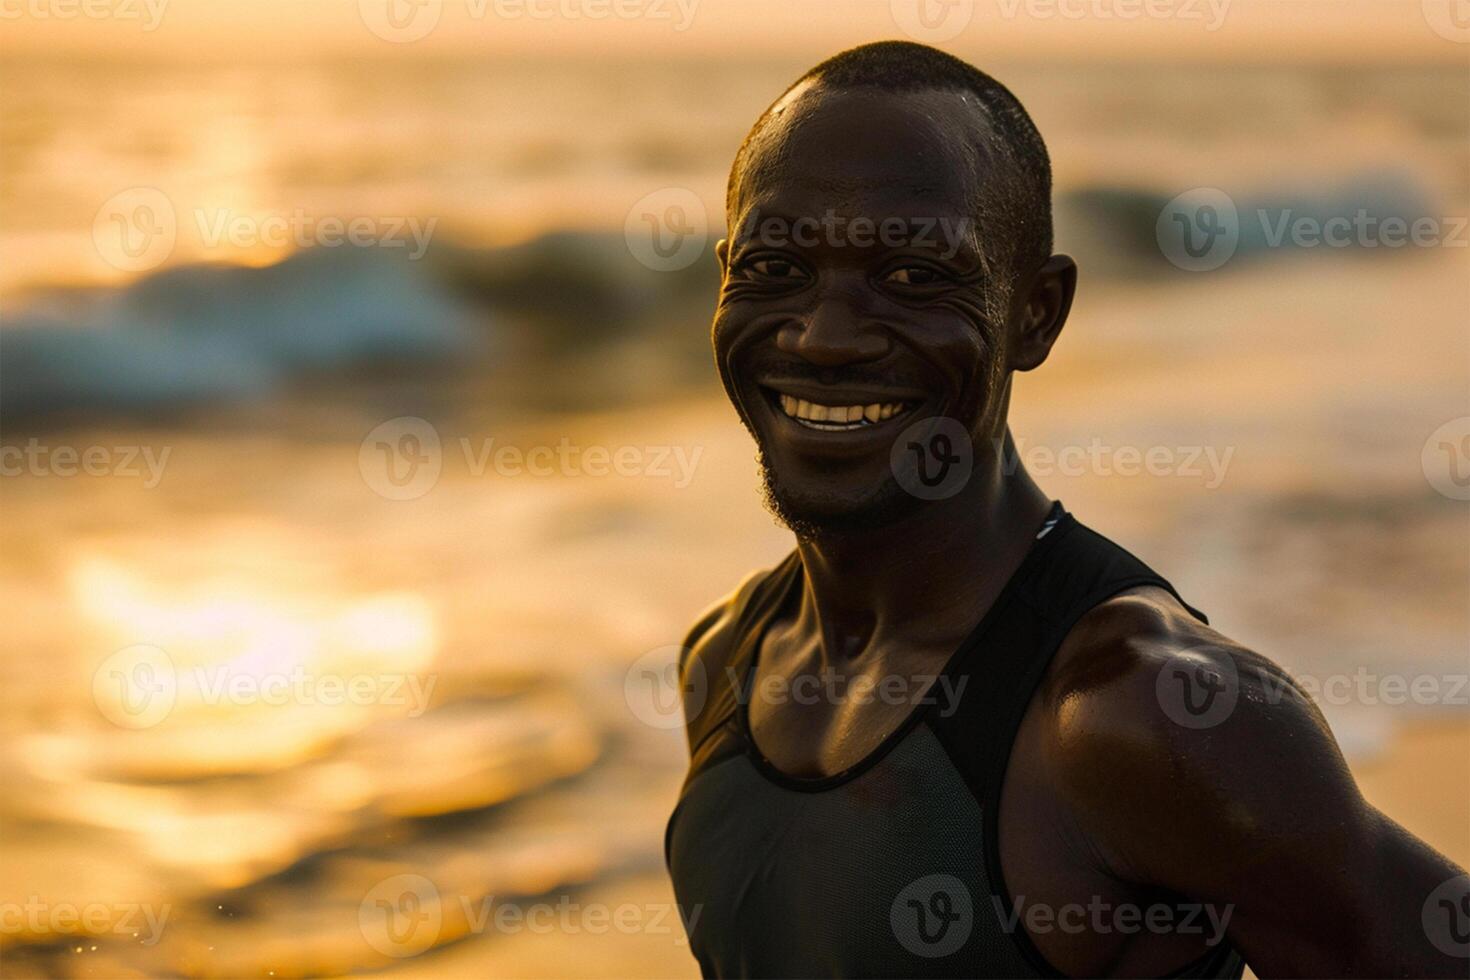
(710, 642)
(1159, 732)
(1190, 763)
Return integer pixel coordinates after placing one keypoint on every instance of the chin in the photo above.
(817, 512)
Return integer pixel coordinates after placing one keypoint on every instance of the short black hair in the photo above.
(1020, 207)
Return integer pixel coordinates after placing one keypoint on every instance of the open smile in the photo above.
(839, 413)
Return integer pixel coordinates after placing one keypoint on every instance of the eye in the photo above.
(915, 275)
(773, 267)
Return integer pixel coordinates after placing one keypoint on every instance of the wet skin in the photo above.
(1106, 799)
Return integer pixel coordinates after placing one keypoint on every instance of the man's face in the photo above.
(857, 299)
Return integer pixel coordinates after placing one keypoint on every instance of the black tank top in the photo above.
(890, 868)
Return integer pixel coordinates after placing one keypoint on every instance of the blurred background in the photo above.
(364, 462)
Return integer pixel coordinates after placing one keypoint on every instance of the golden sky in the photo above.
(1355, 30)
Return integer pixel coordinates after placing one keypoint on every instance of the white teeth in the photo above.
(838, 416)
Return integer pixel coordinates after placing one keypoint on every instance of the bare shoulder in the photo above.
(1142, 663)
(1149, 717)
(710, 641)
(1194, 764)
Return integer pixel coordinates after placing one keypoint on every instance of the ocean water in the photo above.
(502, 622)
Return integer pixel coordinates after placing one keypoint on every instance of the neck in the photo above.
(923, 580)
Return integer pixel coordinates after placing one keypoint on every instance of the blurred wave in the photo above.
(220, 332)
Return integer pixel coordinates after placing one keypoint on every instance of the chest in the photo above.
(813, 719)
(881, 874)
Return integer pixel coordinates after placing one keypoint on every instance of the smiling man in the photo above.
(956, 732)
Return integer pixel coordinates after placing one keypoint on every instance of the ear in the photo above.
(1044, 313)
(722, 255)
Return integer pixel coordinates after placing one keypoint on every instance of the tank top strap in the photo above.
(1070, 571)
(1003, 667)
(715, 681)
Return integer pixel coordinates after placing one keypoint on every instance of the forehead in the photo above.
(866, 151)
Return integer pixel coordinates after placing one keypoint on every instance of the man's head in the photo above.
(890, 254)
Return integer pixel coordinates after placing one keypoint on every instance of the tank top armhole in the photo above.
(1084, 571)
(988, 782)
(752, 603)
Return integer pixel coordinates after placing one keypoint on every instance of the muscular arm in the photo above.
(1239, 798)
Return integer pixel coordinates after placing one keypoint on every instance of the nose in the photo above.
(833, 333)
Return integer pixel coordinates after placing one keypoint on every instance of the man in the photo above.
(956, 732)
